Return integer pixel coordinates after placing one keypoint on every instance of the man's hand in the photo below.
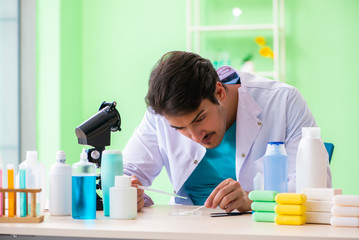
(140, 201)
(229, 195)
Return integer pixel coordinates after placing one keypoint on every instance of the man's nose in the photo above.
(196, 135)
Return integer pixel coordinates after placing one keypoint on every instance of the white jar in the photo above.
(60, 186)
(312, 160)
(123, 199)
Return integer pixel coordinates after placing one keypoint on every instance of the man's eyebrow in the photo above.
(195, 118)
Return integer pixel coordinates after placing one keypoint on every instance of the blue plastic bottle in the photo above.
(275, 167)
(111, 166)
(84, 188)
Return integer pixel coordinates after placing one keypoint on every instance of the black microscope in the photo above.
(95, 132)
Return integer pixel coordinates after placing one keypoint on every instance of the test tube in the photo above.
(11, 195)
(22, 195)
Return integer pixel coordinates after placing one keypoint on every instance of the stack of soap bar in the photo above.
(345, 211)
(319, 204)
(290, 209)
(263, 205)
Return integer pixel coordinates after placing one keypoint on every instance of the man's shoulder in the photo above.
(252, 81)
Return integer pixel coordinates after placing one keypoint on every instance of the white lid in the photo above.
(31, 156)
(10, 166)
(111, 152)
(60, 155)
(311, 132)
(123, 181)
(83, 167)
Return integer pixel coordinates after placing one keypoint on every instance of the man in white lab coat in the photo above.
(210, 129)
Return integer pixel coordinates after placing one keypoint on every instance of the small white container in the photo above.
(60, 186)
(123, 199)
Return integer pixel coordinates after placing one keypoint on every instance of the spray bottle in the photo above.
(84, 188)
(60, 186)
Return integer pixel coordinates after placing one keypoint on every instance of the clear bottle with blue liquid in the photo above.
(84, 188)
(275, 163)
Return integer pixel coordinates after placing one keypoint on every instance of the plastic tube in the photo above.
(11, 195)
(22, 195)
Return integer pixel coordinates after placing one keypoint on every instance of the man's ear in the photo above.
(220, 93)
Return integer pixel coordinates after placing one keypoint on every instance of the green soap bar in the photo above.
(263, 216)
(262, 195)
(263, 206)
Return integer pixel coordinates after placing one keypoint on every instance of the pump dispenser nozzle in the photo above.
(83, 156)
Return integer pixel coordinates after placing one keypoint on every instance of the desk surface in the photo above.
(157, 223)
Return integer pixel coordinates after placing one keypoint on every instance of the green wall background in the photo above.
(90, 51)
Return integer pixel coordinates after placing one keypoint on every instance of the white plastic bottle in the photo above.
(312, 160)
(35, 173)
(60, 186)
(123, 199)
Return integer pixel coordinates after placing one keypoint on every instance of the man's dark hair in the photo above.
(179, 82)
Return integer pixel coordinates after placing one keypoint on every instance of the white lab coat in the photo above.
(267, 111)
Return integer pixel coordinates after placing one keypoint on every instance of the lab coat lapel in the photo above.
(247, 126)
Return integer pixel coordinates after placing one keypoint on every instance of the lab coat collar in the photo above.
(247, 122)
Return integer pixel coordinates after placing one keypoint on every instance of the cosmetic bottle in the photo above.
(312, 160)
(60, 192)
(111, 166)
(84, 188)
(275, 163)
(123, 199)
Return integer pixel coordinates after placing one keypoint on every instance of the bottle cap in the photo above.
(83, 167)
(10, 166)
(60, 156)
(111, 152)
(311, 132)
(31, 156)
(123, 181)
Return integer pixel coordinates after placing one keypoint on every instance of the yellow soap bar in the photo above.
(291, 198)
(290, 209)
(290, 219)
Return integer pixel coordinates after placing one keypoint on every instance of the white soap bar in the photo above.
(322, 194)
(344, 221)
(319, 206)
(318, 217)
(347, 200)
(345, 211)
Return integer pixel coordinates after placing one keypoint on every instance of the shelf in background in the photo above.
(219, 28)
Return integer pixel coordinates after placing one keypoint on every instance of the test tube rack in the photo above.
(32, 218)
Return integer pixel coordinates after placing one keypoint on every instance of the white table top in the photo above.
(157, 223)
